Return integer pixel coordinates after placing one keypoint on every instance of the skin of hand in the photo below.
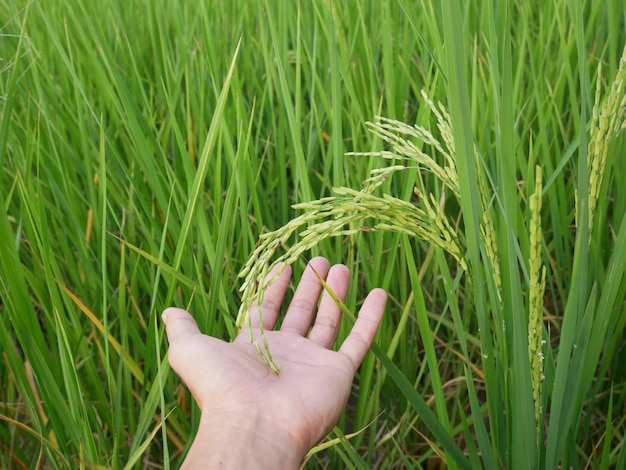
(252, 417)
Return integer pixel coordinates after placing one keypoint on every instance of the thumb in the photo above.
(179, 324)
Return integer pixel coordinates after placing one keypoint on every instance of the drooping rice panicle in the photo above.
(607, 121)
(398, 135)
(328, 217)
(487, 228)
(392, 132)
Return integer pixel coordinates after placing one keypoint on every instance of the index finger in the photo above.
(276, 287)
(361, 336)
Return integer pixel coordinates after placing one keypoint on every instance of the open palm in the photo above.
(306, 399)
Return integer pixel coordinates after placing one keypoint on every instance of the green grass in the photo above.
(144, 147)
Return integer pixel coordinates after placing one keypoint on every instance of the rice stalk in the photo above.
(332, 217)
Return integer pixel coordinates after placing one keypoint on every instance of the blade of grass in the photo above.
(427, 339)
(458, 99)
(302, 187)
(521, 440)
(494, 392)
(201, 172)
(563, 397)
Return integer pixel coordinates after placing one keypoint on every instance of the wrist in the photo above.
(242, 440)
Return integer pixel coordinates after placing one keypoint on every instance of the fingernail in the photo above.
(164, 317)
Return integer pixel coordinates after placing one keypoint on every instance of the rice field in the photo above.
(464, 156)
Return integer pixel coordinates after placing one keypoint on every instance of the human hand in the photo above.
(249, 412)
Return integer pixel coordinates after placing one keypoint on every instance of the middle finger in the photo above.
(302, 307)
